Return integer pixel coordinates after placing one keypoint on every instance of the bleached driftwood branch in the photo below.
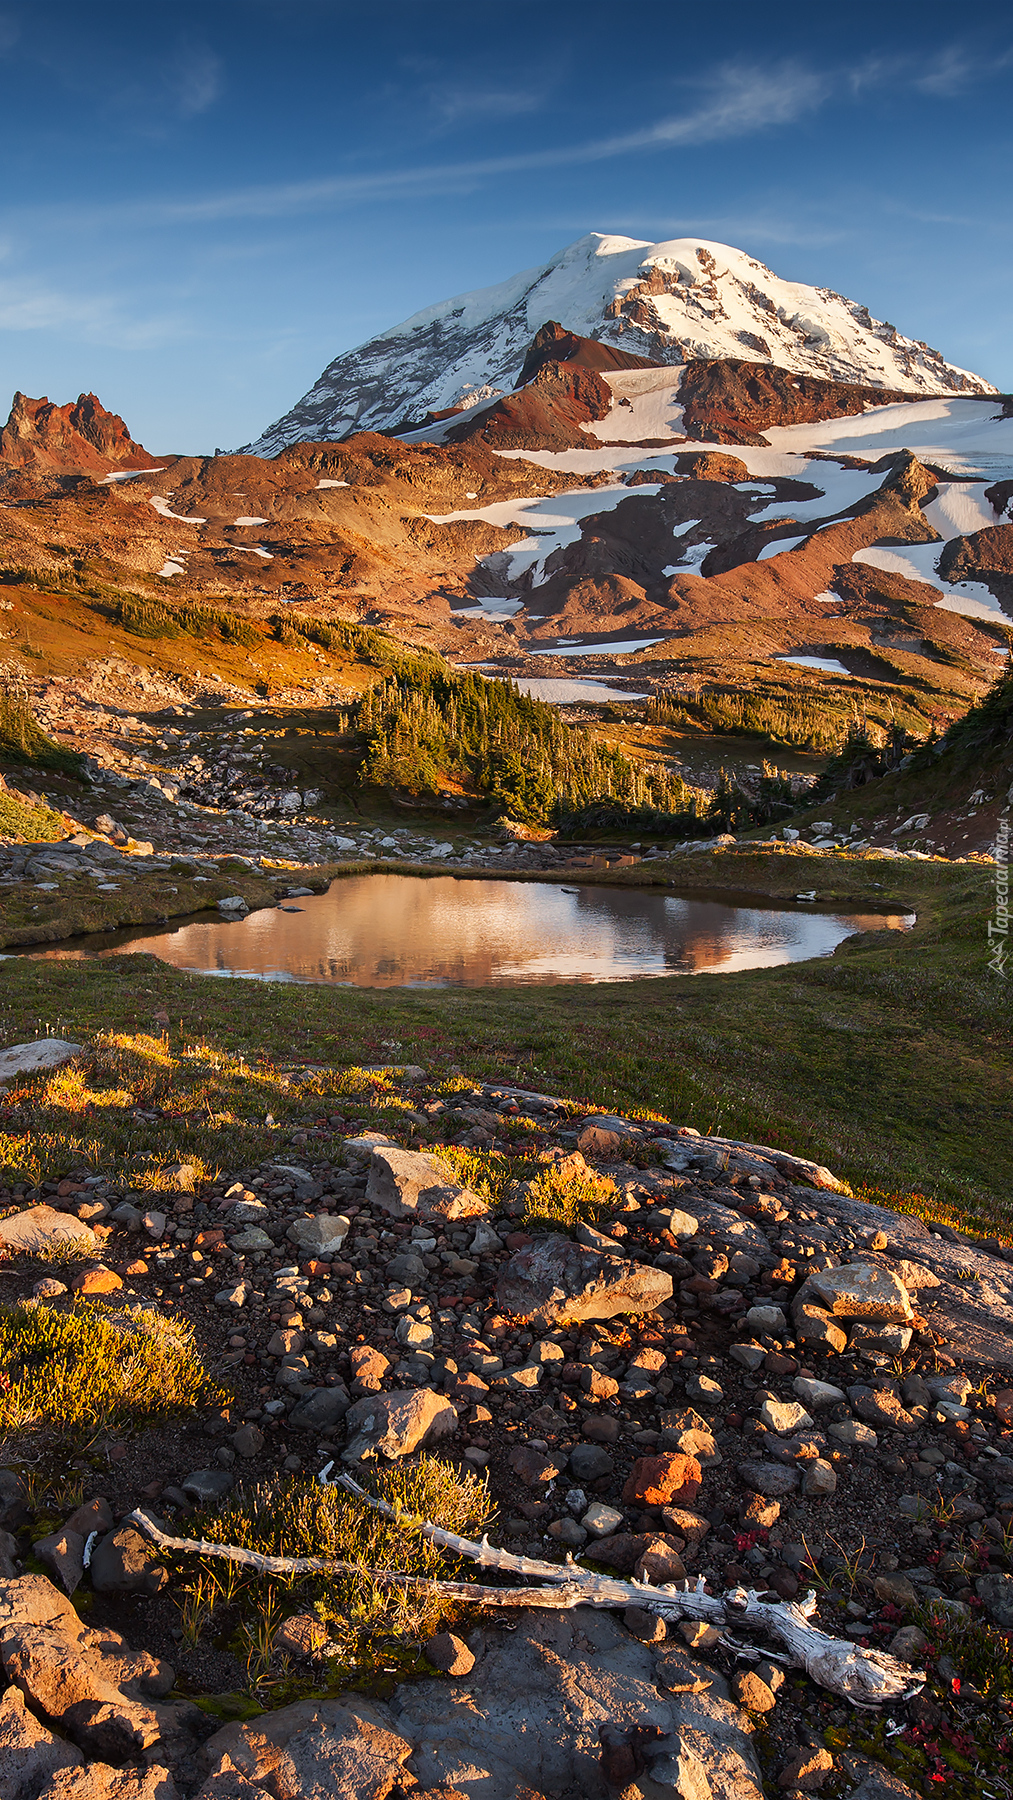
(863, 1677)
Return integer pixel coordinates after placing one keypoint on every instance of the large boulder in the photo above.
(42, 1228)
(553, 1278)
(105, 1696)
(343, 1749)
(408, 1181)
(29, 1754)
(549, 1707)
(857, 1291)
(98, 1781)
(393, 1425)
(40, 1057)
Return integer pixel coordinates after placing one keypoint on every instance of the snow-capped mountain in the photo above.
(674, 302)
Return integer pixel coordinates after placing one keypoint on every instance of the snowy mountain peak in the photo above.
(682, 301)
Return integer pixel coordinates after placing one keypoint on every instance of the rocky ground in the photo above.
(669, 1355)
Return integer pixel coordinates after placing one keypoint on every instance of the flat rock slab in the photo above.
(858, 1291)
(42, 1228)
(553, 1278)
(408, 1181)
(526, 1717)
(44, 1054)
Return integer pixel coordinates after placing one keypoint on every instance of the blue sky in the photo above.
(202, 204)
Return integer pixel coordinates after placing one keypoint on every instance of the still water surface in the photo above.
(409, 931)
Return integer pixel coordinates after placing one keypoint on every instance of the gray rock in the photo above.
(44, 1054)
(589, 1462)
(202, 1486)
(248, 1441)
(408, 1181)
(124, 1562)
(784, 1416)
(768, 1478)
(251, 1239)
(858, 1291)
(816, 1394)
(820, 1478)
(601, 1521)
(249, 1212)
(393, 1425)
(880, 1783)
(319, 1236)
(704, 1390)
(553, 1278)
(996, 1595)
(768, 1319)
(43, 1228)
(320, 1410)
(407, 1267)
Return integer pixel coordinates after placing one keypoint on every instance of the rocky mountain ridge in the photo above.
(82, 436)
(670, 303)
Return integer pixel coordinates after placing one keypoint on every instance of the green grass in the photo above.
(27, 824)
(22, 739)
(90, 1369)
(295, 1517)
(561, 1198)
(889, 1062)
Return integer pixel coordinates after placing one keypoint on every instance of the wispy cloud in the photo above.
(195, 79)
(10, 31)
(26, 305)
(455, 103)
(739, 101)
(944, 75)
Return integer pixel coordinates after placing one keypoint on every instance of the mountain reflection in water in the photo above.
(412, 931)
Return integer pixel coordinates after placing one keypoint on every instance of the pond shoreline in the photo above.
(436, 928)
(840, 879)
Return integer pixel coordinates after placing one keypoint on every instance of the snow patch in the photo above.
(919, 562)
(563, 692)
(129, 475)
(162, 506)
(827, 663)
(489, 607)
(960, 508)
(606, 647)
(779, 545)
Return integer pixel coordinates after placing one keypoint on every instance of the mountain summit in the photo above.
(672, 303)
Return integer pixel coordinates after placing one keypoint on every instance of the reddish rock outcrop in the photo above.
(545, 415)
(553, 343)
(736, 402)
(79, 438)
(985, 556)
